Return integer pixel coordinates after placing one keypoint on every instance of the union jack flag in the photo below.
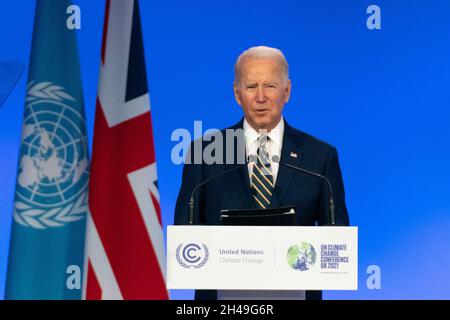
(125, 242)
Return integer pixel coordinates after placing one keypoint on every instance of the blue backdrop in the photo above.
(381, 97)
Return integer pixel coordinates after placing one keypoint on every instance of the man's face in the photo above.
(262, 92)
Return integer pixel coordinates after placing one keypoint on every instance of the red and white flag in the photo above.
(125, 256)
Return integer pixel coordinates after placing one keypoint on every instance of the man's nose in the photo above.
(260, 95)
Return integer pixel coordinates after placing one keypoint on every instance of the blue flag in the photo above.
(50, 205)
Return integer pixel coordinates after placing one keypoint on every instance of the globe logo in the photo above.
(192, 255)
(53, 171)
(301, 257)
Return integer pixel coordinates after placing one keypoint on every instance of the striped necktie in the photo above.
(262, 178)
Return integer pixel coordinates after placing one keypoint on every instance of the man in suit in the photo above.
(262, 87)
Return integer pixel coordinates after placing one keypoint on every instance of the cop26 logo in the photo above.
(192, 255)
(301, 256)
(53, 171)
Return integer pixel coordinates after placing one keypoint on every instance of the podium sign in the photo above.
(262, 257)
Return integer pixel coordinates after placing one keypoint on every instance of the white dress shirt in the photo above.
(273, 145)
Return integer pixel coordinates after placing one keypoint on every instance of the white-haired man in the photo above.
(262, 87)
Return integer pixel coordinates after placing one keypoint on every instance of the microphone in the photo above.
(331, 201)
(191, 201)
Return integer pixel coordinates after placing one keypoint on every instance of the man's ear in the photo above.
(237, 94)
(288, 91)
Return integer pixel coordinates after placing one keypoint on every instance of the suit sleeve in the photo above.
(334, 174)
(192, 176)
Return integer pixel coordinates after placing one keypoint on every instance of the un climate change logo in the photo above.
(53, 170)
(192, 255)
(301, 257)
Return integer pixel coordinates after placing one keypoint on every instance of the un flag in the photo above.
(50, 205)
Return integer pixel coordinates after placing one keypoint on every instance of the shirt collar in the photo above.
(275, 135)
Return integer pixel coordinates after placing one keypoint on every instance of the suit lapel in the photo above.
(244, 181)
(290, 154)
(241, 176)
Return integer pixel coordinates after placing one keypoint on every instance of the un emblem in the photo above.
(53, 172)
(192, 255)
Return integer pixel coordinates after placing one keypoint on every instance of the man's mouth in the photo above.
(261, 111)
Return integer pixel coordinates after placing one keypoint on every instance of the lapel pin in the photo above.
(293, 155)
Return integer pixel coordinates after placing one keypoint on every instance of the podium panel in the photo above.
(262, 257)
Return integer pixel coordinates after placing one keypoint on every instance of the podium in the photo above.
(262, 257)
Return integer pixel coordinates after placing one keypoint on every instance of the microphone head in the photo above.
(251, 158)
(275, 158)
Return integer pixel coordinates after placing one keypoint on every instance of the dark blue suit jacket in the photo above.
(309, 194)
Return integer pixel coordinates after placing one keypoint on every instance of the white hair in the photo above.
(261, 52)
